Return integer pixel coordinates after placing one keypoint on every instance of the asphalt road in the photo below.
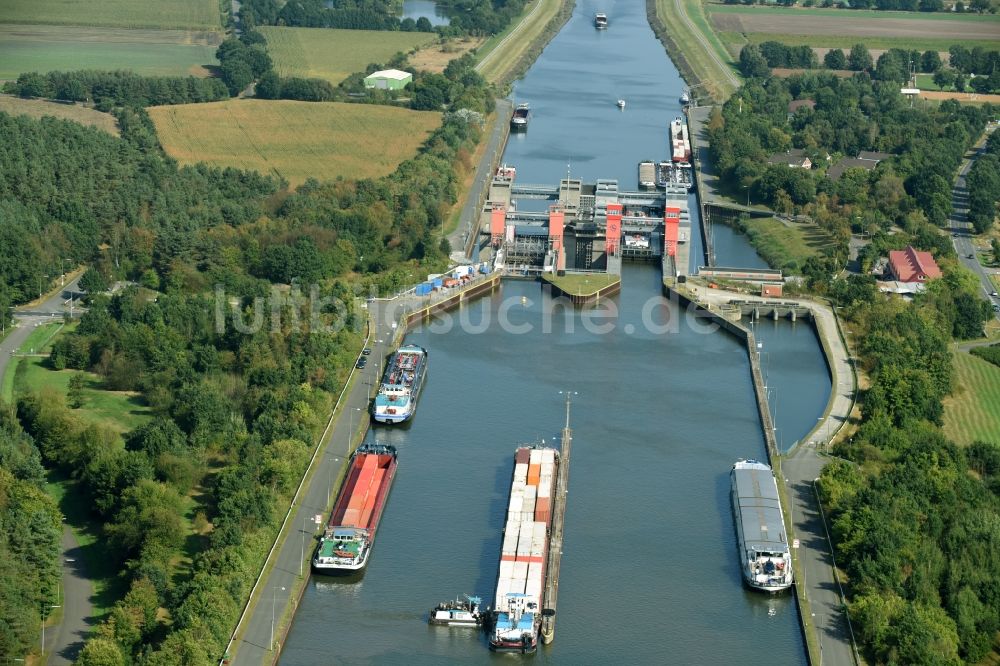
(63, 641)
(469, 220)
(961, 229)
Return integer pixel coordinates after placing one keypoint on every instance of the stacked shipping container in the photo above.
(529, 516)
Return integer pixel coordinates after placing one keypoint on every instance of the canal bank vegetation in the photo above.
(784, 244)
(915, 518)
(189, 501)
(501, 62)
(908, 187)
(688, 41)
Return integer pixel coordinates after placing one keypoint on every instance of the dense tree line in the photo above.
(118, 88)
(30, 533)
(272, 86)
(354, 14)
(983, 186)
(916, 520)
(895, 65)
(850, 115)
(466, 17)
(990, 353)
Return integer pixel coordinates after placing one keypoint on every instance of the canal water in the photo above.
(662, 409)
(414, 9)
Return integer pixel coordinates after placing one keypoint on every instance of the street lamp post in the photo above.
(40, 284)
(350, 428)
(43, 634)
(274, 599)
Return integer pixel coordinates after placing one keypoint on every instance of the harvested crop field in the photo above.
(435, 58)
(43, 48)
(973, 98)
(856, 24)
(326, 53)
(37, 108)
(294, 140)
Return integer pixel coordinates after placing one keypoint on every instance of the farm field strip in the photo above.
(859, 28)
(294, 140)
(179, 14)
(847, 41)
(38, 48)
(331, 54)
(850, 14)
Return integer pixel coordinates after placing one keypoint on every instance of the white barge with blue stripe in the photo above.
(404, 377)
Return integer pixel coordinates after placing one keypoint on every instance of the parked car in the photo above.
(366, 351)
(362, 362)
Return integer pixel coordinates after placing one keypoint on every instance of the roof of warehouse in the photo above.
(390, 74)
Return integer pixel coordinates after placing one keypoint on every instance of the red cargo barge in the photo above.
(350, 532)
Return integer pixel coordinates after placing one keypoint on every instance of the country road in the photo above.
(64, 640)
(723, 67)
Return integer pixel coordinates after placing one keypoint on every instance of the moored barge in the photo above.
(404, 377)
(519, 119)
(765, 560)
(350, 533)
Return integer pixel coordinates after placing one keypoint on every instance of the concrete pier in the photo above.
(556, 537)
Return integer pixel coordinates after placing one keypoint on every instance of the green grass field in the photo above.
(294, 140)
(43, 48)
(785, 247)
(710, 74)
(973, 411)
(335, 54)
(180, 14)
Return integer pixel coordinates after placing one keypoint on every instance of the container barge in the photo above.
(519, 119)
(680, 143)
(765, 560)
(350, 533)
(517, 613)
(400, 389)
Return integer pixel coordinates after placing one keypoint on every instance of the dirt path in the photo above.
(960, 96)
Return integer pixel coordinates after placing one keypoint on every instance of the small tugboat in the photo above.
(457, 613)
(601, 21)
(621, 104)
(685, 99)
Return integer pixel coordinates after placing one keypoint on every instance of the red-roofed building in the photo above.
(911, 265)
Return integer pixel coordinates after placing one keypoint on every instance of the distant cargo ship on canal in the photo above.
(524, 553)
(765, 560)
(519, 119)
(680, 143)
(350, 533)
(400, 389)
(601, 21)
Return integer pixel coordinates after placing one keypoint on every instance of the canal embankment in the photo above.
(822, 603)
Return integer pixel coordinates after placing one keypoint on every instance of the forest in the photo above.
(926, 143)
(235, 414)
(915, 519)
(467, 17)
